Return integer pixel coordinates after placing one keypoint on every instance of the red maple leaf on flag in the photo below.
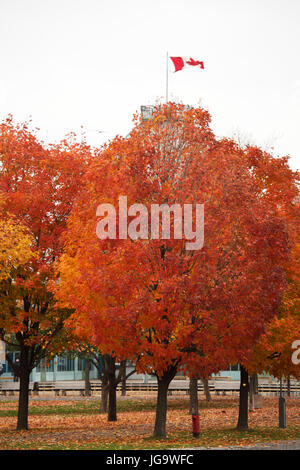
(195, 62)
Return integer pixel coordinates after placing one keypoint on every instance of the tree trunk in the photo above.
(104, 396)
(206, 389)
(102, 364)
(123, 382)
(288, 386)
(193, 396)
(253, 389)
(243, 405)
(112, 390)
(163, 383)
(87, 383)
(112, 402)
(22, 423)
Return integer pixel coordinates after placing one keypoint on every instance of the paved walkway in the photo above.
(293, 444)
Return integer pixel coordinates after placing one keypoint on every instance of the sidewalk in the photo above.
(293, 444)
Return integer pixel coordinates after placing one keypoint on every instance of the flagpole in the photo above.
(167, 79)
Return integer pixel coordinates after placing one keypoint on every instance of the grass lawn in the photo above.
(76, 424)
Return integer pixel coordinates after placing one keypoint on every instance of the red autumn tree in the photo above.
(38, 186)
(274, 351)
(150, 298)
(277, 185)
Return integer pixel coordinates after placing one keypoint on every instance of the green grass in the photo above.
(92, 407)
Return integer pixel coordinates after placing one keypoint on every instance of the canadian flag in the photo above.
(181, 62)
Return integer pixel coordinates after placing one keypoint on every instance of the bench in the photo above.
(228, 386)
(12, 387)
(274, 388)
(185, 387)
(62, 387)
(45, 386)
(71, 386)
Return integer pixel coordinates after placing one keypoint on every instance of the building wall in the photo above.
(67, 368)
(60, 368)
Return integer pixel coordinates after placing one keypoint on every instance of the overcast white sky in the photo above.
(92, 63)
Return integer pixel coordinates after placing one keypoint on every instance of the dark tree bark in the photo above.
(206, 389)
(194, 405)
(112, 390)
(123, 381)
(253, 390)
(101, 362)
(104, 395)
(106, 367)
(30, 356)
(24, 373)
(288, 386)
(243, 405)
(21, 368)
(87, 383)
(163, 383)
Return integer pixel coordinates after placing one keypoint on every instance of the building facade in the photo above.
(66, 367)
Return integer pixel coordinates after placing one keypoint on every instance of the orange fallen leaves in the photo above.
(135, 426)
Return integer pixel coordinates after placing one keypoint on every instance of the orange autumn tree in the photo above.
(148, 297)
(38, 186)
(274, 351)
(15, 246)
(277, 185)
(15, 252)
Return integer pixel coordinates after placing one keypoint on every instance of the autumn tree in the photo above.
(15, 247)
(15, 252)
(109, 374)
(274, 350)
(276, 184)
(149, 296)
(38, 185)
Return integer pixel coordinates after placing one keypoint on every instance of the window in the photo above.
(81, 363)
(49, 366)
(65, 364)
